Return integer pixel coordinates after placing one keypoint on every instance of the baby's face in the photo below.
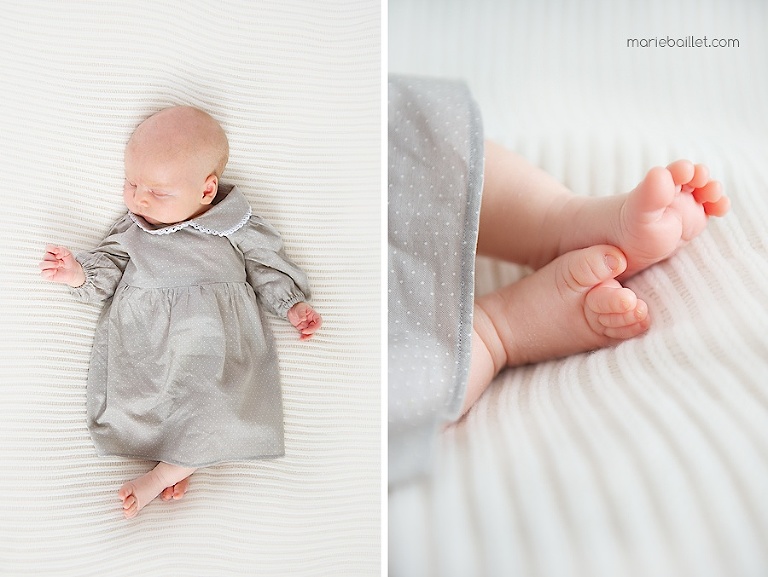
(164, 191)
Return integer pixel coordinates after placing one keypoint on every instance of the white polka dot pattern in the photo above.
(435, 182)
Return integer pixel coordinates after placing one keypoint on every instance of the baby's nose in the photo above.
(141, 196)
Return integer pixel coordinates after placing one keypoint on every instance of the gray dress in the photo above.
(184, 368)
(435, 185)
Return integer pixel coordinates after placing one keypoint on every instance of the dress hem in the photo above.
(192, 465)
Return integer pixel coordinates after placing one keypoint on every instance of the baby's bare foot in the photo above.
(573, 304)
(665, 211)
(176, 491)
(137, 493)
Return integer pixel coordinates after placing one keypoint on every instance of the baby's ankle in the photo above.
(488, 310)
(488, 355)
(563, 222)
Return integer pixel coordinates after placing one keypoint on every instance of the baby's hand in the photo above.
(306, 319)
(59, 265)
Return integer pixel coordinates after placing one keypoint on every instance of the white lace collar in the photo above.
(224, 218)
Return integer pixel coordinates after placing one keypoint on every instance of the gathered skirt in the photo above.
(185, 375)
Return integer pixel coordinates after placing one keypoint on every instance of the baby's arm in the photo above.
(278, 282)
(59, 265)
(306, 319)
(94, 275)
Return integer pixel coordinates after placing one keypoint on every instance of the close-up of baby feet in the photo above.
(572, 305)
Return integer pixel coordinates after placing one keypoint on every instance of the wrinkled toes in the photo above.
(611, 298)
(616, 312)
(682, 172)
(583, 269)
(130, 502)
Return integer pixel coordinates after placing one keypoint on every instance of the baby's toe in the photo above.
(700, 176)
(710, 192)
(178, 490)
(682, 171)
(611, 298)
(626, 319)
(581, 270)
(719, 207)
(126, 491)
(129, 503)
(131, 511)
(628, 332)
(652, 195)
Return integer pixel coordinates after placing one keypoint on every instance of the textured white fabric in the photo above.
(649, 458)
(296, 86)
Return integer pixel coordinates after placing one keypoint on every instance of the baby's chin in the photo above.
(168, 219)
(150, 220)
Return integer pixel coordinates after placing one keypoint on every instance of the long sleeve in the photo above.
(103, 266)
(277, 281)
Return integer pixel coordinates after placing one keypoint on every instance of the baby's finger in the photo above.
(48, 256)
(317, 321)
(49, 264)
(299, 321)
(310, 329)
(61, 253)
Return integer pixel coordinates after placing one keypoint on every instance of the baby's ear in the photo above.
(211, 187)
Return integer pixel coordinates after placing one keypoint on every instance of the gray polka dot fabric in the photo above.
(184, 368)
(435, 185)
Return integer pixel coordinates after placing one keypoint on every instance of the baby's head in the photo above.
(173, 162)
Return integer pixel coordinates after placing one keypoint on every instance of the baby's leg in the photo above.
(571, 305)
(137, 493)
(520, 216)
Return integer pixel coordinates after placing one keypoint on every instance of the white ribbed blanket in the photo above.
(649, 459)
(296, 85)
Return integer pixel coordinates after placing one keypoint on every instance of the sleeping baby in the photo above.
(184, 369)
